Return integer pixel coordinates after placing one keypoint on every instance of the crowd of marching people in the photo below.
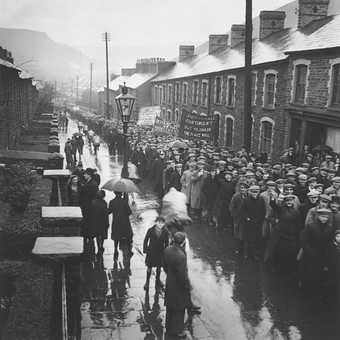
(286, 214)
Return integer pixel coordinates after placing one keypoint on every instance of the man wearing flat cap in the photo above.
(253, 211)
(334, 189)
(87, 194)
(177, 287)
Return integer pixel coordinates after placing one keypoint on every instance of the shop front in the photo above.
(314, 127)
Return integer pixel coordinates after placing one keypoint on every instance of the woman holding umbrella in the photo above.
(119, 207)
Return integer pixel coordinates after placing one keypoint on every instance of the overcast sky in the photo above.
(131, 22)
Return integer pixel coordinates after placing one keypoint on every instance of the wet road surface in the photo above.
(239, 299)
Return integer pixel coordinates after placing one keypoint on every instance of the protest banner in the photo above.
(162, 126)
(147, 115)
(197, 127)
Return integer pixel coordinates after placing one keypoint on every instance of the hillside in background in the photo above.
(46, 59)
(43, 57)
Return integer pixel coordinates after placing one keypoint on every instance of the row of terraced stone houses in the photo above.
(18, 101)
(295, 82)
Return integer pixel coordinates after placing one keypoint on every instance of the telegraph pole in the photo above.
(90, 99)
(107, 39)
(247, 119)
(77, 89)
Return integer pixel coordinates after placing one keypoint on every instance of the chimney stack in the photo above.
(186, 51)
(127, 71)
(238, 34)
(218, 42)
(271, 22)
(310, 10)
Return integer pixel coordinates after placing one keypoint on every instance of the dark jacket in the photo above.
(154, 245)
(121, 227)
(253, 212)
(87, 194)
(99, 218)
(177, 288)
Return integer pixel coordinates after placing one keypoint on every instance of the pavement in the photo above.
(240, 299)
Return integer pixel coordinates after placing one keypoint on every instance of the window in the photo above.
(269, 89)
(266, 135)
(336, 86)
(195, 92)
(204, 99)
(231, 91)
(160, 95)
(155, 95)
(164, 94)
(169, 94)
(229, 131)
(300, 83)
(253, 87)
(185, 93)
(176, 115)
(177, 93)
(163, 114)
(218, 90)
(169, 116)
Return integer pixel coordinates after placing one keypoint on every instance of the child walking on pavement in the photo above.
(155, 241)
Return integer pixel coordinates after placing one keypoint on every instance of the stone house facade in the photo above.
(293, 105)
(18, 101)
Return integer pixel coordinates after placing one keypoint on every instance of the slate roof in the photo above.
(319, 34)
(8, 64)
(132, 82)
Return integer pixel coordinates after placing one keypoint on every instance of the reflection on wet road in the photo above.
(240, 300)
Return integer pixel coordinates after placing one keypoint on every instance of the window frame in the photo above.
(168, 115)
(215, 90)
(164, 94)
(272, 122)
(169, 99)
(205, 96)
(226, 118)
(265, 95)
(331, 82)
(231, 77)
(177, 92)
(185, 93)
(296, 63)
(195, 96)
(176, 115)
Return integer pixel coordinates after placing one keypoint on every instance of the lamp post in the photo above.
(125, 102)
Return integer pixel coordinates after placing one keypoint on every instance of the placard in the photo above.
(164, 127)
(197, 127)
(147, 115)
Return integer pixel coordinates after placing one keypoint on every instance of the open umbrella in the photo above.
(121, 185)
(177, 144)
(323, 148)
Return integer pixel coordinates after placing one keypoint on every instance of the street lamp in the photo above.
(125, 102)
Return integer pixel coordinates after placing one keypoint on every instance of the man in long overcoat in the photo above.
(196, 194)
(99, 220)
(253, 211)
(121, 232)
(87, 194)
(177, 289)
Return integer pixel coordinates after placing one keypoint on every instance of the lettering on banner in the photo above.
(196, 127)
